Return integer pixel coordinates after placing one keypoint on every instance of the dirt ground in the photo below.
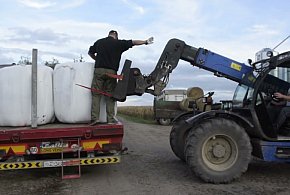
(149, 167)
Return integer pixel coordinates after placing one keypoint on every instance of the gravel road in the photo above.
(148, 167)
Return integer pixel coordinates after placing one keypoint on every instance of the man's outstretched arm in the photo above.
(143, 42)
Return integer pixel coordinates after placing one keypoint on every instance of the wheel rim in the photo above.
(219, 152)
(164, 121)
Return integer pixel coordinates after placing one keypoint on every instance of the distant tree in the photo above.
(51, 63)
(80, 59)
(24, 60)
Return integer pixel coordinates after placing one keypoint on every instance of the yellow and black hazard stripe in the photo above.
(100, 160)
(20, 165)
(59, 163)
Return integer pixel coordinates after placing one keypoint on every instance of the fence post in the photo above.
(34, 89)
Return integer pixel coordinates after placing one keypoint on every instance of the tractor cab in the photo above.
(254, 96)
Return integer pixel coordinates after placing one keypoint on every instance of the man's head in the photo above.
(113, 34)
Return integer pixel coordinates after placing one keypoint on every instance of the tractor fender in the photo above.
(183, 115)
(222, 114)
(185, 122)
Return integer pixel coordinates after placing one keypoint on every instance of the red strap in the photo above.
(95, 90)
(119, 77)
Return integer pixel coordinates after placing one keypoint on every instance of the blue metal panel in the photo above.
(269, 151)
(221, 65)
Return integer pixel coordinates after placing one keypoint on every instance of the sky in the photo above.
(64, 30)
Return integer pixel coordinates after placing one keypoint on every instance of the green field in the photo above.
(139, 114)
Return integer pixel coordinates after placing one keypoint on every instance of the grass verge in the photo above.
(138, 114)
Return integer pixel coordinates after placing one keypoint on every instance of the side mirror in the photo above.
(250, 61)
(210, 94)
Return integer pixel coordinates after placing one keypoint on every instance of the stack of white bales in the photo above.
(57, 94)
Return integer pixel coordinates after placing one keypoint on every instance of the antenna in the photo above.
(281, 43)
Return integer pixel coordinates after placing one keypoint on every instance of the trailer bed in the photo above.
(59, 130)
(59, 137)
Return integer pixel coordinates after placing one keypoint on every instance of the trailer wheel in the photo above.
(164, 121)
(218, 150)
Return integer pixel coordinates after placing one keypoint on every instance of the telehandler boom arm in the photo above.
(134, 83)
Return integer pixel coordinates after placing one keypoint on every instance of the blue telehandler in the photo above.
(218, 145)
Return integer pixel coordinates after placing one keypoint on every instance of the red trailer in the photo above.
(58, 144)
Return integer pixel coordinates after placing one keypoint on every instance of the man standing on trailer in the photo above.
(107, 55)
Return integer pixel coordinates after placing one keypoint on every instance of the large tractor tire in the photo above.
(177, 141)
(218, 150)
(178, 137)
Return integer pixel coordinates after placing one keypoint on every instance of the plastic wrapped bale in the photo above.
(193, 100)
(194, 92)
(189, 104)
(72, 102)
(15, 95)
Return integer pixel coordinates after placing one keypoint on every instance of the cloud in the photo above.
(41, 35)
(263, 30)
(66, 39)
(54, 4)
(134, 6)
(13, 54)
(37, 4)
(3, 58)
(72, 3)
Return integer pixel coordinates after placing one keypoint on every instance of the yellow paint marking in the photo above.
(50, 150)
(236, 66)
(16, 149)
(92, 144)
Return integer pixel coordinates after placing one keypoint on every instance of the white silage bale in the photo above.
(73, 103)
(15, 95)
